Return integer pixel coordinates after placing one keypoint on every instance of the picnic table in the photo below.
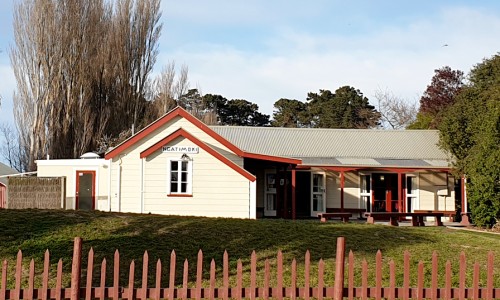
(417, 218)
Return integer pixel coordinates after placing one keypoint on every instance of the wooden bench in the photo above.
(343, 215)
(355, 211)
(447, 213)
(417, 218)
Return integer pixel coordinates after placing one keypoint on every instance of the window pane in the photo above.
(411, 185)
(184, 176)
(408, 185)
(365, 184)
(173, 187)
(183, 187)
(271, 202)
(174, 165)
(318, 202)
(315, 180)
(184, 166)
(173, 176)
(365, 202)
(414, 185)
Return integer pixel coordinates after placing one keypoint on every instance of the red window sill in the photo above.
(179, 195)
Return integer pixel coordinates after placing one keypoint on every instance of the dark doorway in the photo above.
(303, 194)
(385, 192)
(284, 194)
(85, 190)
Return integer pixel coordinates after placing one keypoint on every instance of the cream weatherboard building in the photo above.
(179, 166)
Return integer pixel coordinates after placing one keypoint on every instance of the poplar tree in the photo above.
(82, 71)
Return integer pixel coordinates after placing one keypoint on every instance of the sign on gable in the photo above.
(181, 149)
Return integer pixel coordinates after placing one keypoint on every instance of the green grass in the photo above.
(34, 231)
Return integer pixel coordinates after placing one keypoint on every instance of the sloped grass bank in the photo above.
(34, 231)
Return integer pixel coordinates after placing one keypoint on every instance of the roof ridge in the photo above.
(323, 129)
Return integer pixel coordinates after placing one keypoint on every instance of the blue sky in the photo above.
(264, 50)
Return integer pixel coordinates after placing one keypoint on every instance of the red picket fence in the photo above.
(175, 290)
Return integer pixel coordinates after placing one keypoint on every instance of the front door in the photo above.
(318, 194)
(85, 190)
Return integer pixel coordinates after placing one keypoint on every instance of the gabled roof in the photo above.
(178, 111)
(182, 133)
(341, 147)
(315, 146)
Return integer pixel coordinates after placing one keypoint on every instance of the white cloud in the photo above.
(401, 59)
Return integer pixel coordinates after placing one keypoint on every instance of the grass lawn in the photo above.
(34, 231)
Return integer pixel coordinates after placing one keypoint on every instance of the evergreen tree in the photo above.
(470, 130)
(346, 108)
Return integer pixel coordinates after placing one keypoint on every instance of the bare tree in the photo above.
(396, 112)
(9, 149)
(169, 87)
(32, 59)
(182, 84)
(135, 33)
(82, 71)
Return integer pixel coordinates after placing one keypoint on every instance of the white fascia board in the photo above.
(73, 162)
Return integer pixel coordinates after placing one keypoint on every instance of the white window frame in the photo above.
(189, 189)
(267, 212)
(322, 192)
(417, 191)
(365, 194)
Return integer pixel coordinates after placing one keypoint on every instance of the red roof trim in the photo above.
(181, 132)
(178, 111)
(162, 142)
(272, 158)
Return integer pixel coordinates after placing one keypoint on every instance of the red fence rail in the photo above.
(343, 287)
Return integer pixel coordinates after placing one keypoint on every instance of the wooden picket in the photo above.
(342, 287)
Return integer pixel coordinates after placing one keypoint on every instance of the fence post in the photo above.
(76, 269)
(338, 290)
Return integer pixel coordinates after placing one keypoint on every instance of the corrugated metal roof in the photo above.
(368, 162)
(350, 144)
(358, 161)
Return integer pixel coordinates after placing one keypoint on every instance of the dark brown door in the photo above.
(85, 190)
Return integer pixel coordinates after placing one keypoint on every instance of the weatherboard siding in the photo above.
(129, 198)
(54, 168)
(218, 190)
(429, 184)
(169, 128)
(130, 187)
(351, 190)
(332, 193)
